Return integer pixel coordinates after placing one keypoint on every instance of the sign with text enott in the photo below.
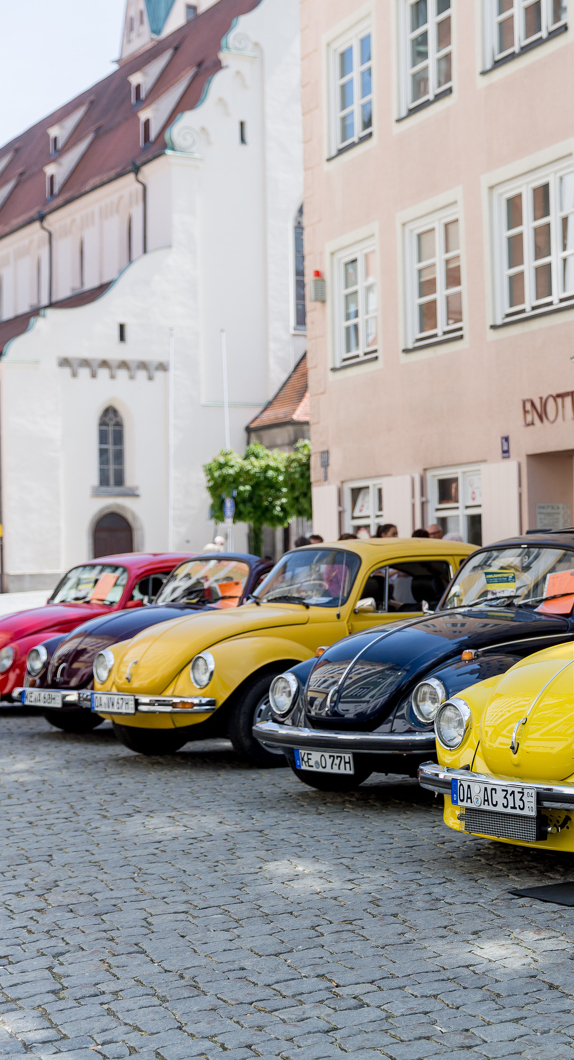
(548, 409)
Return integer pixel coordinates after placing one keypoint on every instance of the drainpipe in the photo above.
(136, 170)
(41, 217)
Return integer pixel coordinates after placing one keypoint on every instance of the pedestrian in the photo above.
(301, 541)
(347, 537)
(435, 531)
(315, 539)
(420, 533)
(387, 530)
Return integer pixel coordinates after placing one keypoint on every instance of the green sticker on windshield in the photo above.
(500, 580)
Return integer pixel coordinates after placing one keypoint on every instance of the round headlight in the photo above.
(202, 668)
(452, 722)
(102, 665)
(36, 661)
(427, 698)
(6, 659)
(283, 694)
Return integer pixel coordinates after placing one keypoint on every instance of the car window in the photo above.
(147, 588)
(218, 582)
(322, 577)
(411, 583)
(97, 583)
(518, 572)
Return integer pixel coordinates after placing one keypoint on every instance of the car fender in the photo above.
(238, 660)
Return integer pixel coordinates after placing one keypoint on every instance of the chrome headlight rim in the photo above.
(438, 687)
(107, 659)
(207, 658)
(7, 656)
(292, 692)
(40, 653)
(464, 710)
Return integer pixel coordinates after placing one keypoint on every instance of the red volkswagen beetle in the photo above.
(110, 583)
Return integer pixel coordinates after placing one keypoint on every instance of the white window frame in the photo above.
(525, 186)
(375, 516)
(437, 220)
(407, 35)
(465, 506)
(340, 259)
(519, 41)
(351, 39)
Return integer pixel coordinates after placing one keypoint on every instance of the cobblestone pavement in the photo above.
(190, 906)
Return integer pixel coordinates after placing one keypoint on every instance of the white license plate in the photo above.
(112, 703)
(500, 798)
(325, 761)
(41, 697)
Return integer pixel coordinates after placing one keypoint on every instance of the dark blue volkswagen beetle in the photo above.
(368, 703)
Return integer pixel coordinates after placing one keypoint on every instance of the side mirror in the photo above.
(367, 605)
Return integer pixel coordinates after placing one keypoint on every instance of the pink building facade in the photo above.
(439, 242)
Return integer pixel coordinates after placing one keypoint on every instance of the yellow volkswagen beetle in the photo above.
(209, 674)
(506, 754)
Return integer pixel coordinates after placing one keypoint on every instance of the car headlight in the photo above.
(102, 665)
(452, 722)
(427, 698)
(283, 694)
(202, 668)
(6, 659)
(36, 661)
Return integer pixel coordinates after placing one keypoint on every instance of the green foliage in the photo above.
(270, 487)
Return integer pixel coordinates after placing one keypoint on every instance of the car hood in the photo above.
(533, 703)
(53, 617)
(156, 656)
(371, 671)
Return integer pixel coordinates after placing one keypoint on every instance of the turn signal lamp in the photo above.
(321, 650)
(468, 655)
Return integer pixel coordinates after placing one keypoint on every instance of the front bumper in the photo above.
(288, 737)
(439, 778)
(77, 700)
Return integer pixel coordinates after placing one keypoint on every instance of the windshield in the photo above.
(207, 581)
(522, 573)
(96, 583)
(321, 577)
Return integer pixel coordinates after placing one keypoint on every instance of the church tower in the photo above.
(146, 21)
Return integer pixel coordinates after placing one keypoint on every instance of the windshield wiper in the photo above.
(485, 601)
(540, 599)
(287, 598)
(256, 600)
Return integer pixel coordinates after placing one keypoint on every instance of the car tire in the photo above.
(77, 721)
(251, 706)
(150, 741)
(331, 781)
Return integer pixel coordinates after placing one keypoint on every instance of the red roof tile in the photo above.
(113, 118)
(10, 329)
(291, 402)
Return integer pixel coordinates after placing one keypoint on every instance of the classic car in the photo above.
(209, 675)
(505, 763)
(110, 583)
(59, 674)
(368, 704)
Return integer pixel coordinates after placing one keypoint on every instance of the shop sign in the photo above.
(552, 516)
(548, 409)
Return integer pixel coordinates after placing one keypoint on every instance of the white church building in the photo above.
(155, 210)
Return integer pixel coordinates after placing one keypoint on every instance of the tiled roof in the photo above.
(9, 329)
(291, 402)
(113, 120)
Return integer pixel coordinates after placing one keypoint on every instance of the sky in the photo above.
(50, 50)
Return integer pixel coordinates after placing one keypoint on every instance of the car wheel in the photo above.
(332, 781)
(78, 721)
(150, 741)
(253, 706)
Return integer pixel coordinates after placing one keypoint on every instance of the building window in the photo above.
(190, 11)
(38, 280)
(141, 18)
(364, 506)
(81, 262)
(122, 337)
(433, 287)
(146, 132)
(137, 92)
(512, 25)
(51, 185)
(131, 27)
(130, 239)
(427, 50)
(242, 132)
(356, 286)
(352, 105)
(455, 502)
(300, 321)
(535, 237)
(111, 433)
(54, 147)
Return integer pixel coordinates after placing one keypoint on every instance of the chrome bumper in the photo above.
(71, 698)
(175, 705)
(286, 737)
(439, 778)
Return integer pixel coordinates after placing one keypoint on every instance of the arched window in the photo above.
(111, 448)
(299, 272)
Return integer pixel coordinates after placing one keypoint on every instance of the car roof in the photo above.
(384, 548)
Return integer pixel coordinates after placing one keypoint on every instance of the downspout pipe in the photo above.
(41, 217)
(136, 169)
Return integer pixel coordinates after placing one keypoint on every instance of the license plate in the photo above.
(324, 761)
(41, 697)
(111, 703)
(500, 798)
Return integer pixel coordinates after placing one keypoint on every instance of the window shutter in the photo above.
(500, 500)
(398, 503)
